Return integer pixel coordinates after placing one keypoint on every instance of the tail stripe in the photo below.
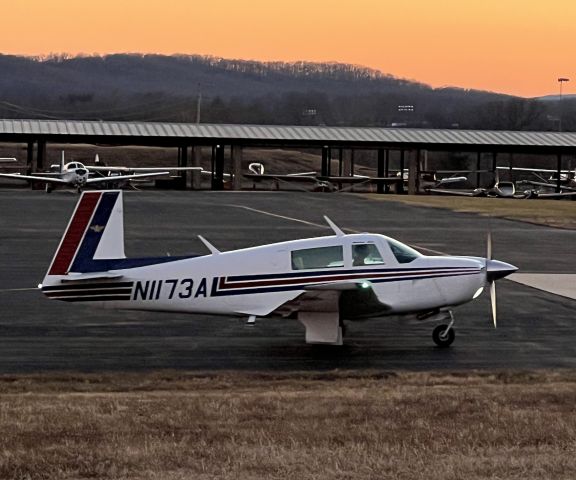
(94, 233)
(74, 233)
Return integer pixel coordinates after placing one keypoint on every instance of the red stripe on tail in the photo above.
(74, 234)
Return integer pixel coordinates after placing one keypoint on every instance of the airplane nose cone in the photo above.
(496, 269)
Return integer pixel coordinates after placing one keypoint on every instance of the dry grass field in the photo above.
(554, 213)
(264, 426)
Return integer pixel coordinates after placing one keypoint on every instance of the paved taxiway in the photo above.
(536, 329)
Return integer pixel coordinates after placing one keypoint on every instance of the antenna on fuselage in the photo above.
(334, 227)
(212, 248)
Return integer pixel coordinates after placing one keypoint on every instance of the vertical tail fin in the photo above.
(95, 232)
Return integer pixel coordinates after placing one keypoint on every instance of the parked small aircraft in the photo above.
(321, 182)
(115, 171)
(544, 187)
(319, 281)
(77, 175)
(505, 189)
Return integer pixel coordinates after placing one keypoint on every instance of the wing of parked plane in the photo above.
(45, 179)
(296, 177)
(537, 194)
(94, 168)
(479, 192)
(115, 178)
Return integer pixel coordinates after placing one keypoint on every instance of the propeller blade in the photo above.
(493, 301)
(489, 246)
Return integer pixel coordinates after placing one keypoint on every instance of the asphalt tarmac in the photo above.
(535, 329)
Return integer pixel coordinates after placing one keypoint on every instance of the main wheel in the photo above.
(443, 338)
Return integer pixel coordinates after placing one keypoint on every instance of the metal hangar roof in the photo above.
(137, 132)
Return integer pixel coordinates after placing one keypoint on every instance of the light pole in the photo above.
(561, 80)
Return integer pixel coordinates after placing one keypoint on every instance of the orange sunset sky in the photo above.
(519, 47)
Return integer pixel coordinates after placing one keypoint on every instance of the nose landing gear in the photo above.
(443, 335)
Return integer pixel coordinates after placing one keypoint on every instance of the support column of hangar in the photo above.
(380, 170)
(326, 160)
(196, 160)
(383, 170)
(30, 158)
(35, 156)
(558, 173)
(217, 167)
(414, 172)
(236, 154)
(183, 162)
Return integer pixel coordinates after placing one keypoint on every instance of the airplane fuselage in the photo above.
(258, 280)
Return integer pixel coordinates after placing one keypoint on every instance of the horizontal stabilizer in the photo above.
(82, 277)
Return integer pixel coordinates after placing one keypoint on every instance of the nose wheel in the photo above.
(443, 335)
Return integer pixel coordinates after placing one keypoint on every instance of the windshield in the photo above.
(403, 253)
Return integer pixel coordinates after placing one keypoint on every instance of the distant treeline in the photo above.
(172, 88)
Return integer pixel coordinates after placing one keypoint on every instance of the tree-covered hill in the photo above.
(170, 88)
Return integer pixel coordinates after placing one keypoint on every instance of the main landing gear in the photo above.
(443, 335)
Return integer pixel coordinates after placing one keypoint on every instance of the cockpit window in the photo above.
(366, 254)
(403, 253)
(322, 257)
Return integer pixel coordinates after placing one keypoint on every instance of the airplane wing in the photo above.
(285, 177)
(460, 193)
(552, 195)
(100, 168)
(358, 179)
(17, 176)
(546, 184)
(450, 180)
(48, 174)
(526, 169)
(321, 307)
(124, 177)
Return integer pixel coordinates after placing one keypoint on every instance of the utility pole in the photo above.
(561, 80)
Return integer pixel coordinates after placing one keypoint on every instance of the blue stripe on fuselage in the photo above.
(334, 271)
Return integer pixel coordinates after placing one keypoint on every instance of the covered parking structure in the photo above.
(228, 141)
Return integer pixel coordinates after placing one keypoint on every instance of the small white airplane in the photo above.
(116, 171)
(325, 183)
(319, 281)
(77, 175)
(328, 183)
(544, 187)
